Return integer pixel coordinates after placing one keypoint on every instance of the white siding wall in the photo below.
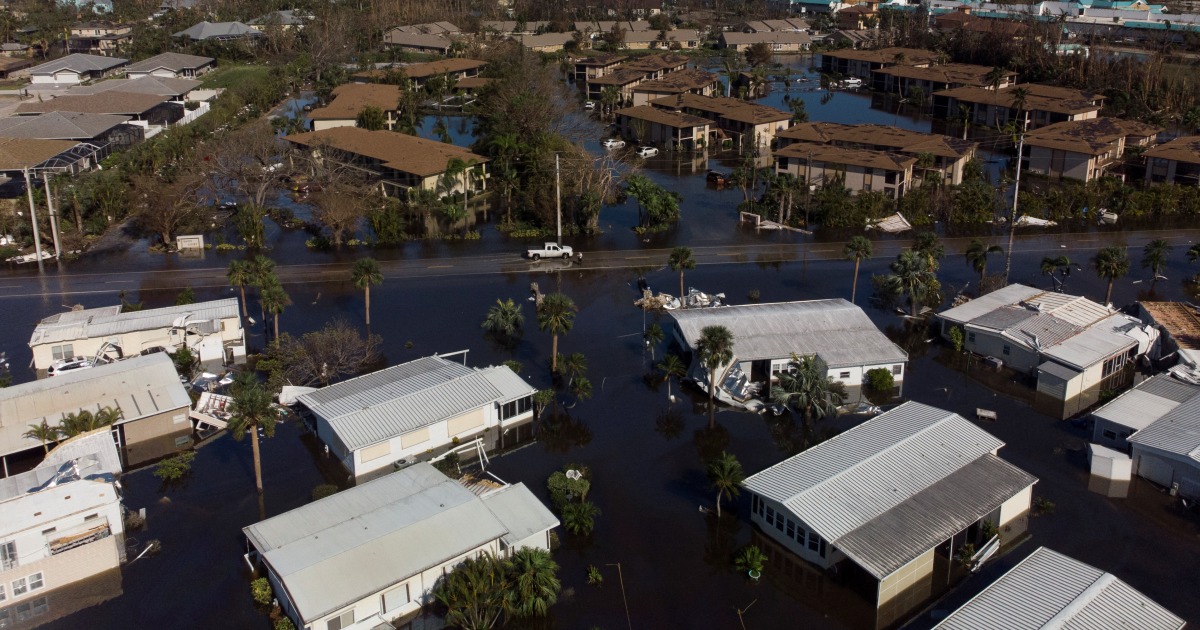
(131, 343)
(1016, 506)
(832, 556)
(989, 343)
(1166, 469)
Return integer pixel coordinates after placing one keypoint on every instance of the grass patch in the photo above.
(230, 76)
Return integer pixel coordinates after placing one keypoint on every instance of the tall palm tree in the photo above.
(726, 475)
(977, 254)
(84, 420)
(912, 275)
(856, 249)
(43, 433)
(671, 367)
(533, 583)
(1154, 258)
(1053, 266)
(239, 276)
(556, 315)
(715, 347)
(364, 274)
(274, 299)
(262, 273)
(930, 246)
(807, 387)
(574, 366)
(995, 77)
(1020, 97)
(251, 410)
(681, 259)
(1110, 264)
(504, 318)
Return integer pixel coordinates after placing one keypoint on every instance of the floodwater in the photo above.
(646, 455)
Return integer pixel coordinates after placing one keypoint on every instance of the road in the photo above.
(1078, 246)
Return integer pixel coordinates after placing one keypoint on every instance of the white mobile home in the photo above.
(883, 497)
(371, 554)
(397, 415)
(1138, 408)
(1166, 451)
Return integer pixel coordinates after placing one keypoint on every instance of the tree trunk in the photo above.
(257, 458)
(719, 493)
(915, 304)
(712, 392)
(682, 304)
(1108, 295)
(854, 284)
(45, 446)
(245, 313)
(367, 291)
(276, 339)
(553, 354)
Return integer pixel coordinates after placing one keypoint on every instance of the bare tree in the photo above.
(340, 208)
(251, 162)
(163, 207)
(320, 357)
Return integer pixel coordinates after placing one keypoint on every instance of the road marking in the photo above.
(118, 282)
(439, 266)
(733, 254)
(637, 258)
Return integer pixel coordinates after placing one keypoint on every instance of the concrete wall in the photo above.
(856, 179)
(1014, 514)
(321, 125)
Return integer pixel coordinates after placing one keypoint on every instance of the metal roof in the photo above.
(379, 406)
(1178, 431)
(1050, 590)
(1097, 343)
(1011, 294)
(520, 512)
(1040, 331)
(139, 387)
(104, 321)
(1003, 317)
(340, 549)
(217, 30)
(1057, 369)
(97, 445)
(933, 515)
(79, 62)
(845, 483)
(837, 331)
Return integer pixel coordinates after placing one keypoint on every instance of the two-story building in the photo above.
(737, 121)
(99, 39)
(690, 81)
(860, 63)
(1083, 149)
(856, 170)
(663, 128)
(1174, 162)
(1030, 105)
(908, 80)
(406, 412)
(890, 501)
(950, 155)
(350, 99)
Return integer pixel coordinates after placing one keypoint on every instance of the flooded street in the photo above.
(646, 455)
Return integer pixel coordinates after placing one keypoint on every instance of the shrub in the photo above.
(448, 465)
(564, 490)
(185, 361)
(173, 468)
(283, 623)
(594, 577)
(750, 558)
(1042, 505)
(261, 590)
(880, 379)
(324, 490)
(580, 518)
(956, 338)
(988, 529)
(965, 553)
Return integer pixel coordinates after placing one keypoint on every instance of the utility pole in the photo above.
(1012, 220)
(621, 578)
(37, 240)
(558, 198)
(53, 217)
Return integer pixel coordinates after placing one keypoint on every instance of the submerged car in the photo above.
(645, 152)
(613, 143)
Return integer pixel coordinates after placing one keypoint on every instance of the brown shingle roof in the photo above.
(351, 98)
(397, 151)
(912, 56)
(961, 73)
(657, 63)
(682, 81)
(1093, 137)
(735, 38)
(600, 60)
(679, 120)
(880, 137)
(1046, 98)
(725, 107)
(1184, 149)
(620, 76)
(443, 66)
(18, 153)
(106, 103)
(843, 155)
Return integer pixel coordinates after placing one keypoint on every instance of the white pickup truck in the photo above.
(551, 250)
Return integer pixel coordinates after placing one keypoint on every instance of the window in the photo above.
(47, 532)
(36, 581)
(897, 370)
(65, 351)
(971, 337)
(779, 521)
(845, 374)
(8, 554)
(800, 534)
(770, 515)
(814, 541)
(3, 595)
(91, 517)
(341, 621)
(20, 587)
(1007, 350)
(791, 529)
(182, 441)
(395, 598)
(754, 503)
(1110, 435)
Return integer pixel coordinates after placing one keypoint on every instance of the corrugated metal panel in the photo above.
(1095, 344)
(1050, 590)
(1152, 399)
(933, 515)
(139, 387)
(835, 330)
(1003, 317)
(843, 483)
(102, 322)
(1168, 387)
(1011, 294)
(384, 404)
(520, 512)
(1176, 432)
(1080, 311)
(1046, 329)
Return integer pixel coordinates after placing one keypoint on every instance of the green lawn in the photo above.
(229, 76)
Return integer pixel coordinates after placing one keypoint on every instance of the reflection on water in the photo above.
(60, 602)
(1111, 488)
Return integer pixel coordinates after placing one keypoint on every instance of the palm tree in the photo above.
(977, 253)
(930, 246)
(807, 387)
(995, 77)
(43, 433)
(533, 583)
(857, 248)
(715, 347)
(574, 366)
(504, 318)
(681, 259)
(1052, 266)
(474, 593)
(912, 275)
(556, 315)
(251, 410)
(579, 518)
(671, 367)
(1020, 97)
(364, 274)
(274, 299)
(1154, 258)
(654, 335)
(83, 421)
(1110, 263)
(262, 273)
(726, 475)
(239, 276)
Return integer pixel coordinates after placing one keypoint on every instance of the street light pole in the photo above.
(1012, 220)
(558, 198)
(53, 217)
(37, 240)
